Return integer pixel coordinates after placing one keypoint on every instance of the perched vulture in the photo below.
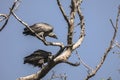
(38, 58)
(42, 29)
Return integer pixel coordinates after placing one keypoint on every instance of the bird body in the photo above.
(37, 58)
(42, 29)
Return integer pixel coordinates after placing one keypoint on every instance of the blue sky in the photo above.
(14, 45)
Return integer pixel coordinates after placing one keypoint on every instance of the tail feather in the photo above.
(27, 32)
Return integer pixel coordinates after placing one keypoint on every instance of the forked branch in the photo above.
(82, 27)
(14, 6)
(74, 9)
(3, 17)
(115, 27)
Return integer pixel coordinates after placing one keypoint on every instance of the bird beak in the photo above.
(52, 35)
(55, 37)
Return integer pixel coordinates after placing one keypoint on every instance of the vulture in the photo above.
(38, 58)
(42, 29)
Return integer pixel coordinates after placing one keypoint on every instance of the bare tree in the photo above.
(65, 51)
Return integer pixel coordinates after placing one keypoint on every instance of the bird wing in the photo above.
(42, 53)
(42, 27)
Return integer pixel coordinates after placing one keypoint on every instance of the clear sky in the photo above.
(14, 45)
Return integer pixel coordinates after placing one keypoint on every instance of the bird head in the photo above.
(53, 35)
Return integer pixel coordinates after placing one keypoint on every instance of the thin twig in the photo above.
(112, 23)
(83, 63)
(72, 64)
(117, 44)
(118, 15)
(63, 12)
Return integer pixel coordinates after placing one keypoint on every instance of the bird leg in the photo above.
(50, 58)
(41, 63)
(41, 34)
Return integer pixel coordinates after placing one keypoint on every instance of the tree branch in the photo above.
(4, 16)
(14, 6)
(82, 26)
(72, 64)
(71, 26)
(40, 38)
(117, 44)
(66, 54)
(83, 63)
(41, 73)
(115, 27)
(63, 12)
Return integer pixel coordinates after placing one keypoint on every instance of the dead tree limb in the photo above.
(115, 27)
(13, 8)
(82, 26)
(83, 63)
